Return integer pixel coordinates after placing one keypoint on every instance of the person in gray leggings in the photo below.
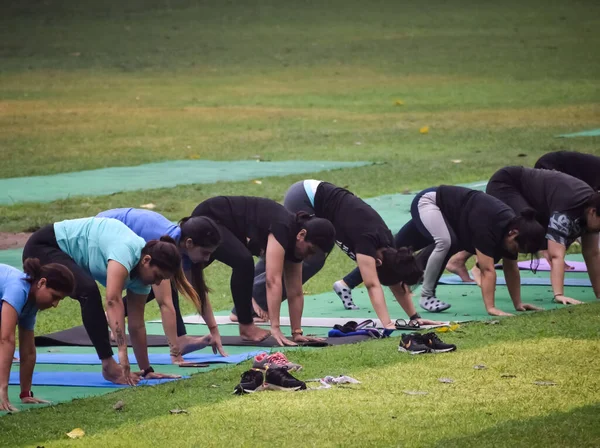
(457, 218)
(363, 235)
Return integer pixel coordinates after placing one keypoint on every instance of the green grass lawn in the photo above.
(87, 85)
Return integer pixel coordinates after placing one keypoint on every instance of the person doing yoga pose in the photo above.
(567, 207)
(362, 235)
(458, 218)
(107, 251)
(252, 226)
(22, 295)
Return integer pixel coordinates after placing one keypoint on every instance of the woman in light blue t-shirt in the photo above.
(107, 251)
(22, 295)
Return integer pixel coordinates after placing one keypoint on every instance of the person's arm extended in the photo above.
(368, 270)
(488, 284)
(513, 283)
(137, 332)
(8, 325)
(116, 276)
(293, 285)
(591, 255)
(27, 365)
(164, 298)
(556, 254)
(274, 260)
(208, 316)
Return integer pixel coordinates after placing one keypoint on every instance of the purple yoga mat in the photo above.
(579, 266)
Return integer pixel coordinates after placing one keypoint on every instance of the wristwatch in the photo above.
(25, 394)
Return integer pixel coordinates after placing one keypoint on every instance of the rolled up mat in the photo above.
(578, 266)
(543, 265)
(77, 336)
(525, 281)
(81, 379)
(155, 358)
(324, 322)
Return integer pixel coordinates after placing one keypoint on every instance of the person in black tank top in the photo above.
(252, 226)
(364, 237)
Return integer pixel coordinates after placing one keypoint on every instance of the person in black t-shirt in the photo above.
(458, 218)
(566, 206)
(253, 226)
(585, 167)
(362, 235)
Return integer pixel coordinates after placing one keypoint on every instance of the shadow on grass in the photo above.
(563, 429)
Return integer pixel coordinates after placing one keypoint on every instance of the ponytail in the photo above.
(164, 253)
(399, 266)
(58, 277)
(319, 231)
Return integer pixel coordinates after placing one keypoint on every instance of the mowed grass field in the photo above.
(87, 85)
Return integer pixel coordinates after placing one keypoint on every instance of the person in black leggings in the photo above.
(105, 250)
(362, 235)
(252, 226)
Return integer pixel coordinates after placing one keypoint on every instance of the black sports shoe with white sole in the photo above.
(281, 379)
(252, 381)
(411, 344)
(435, 344)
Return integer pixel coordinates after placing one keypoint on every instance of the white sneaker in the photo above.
(345, 295)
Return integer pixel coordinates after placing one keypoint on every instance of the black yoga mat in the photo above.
(77, 336)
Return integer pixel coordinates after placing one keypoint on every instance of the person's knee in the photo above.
(244, 265)
(443, 243)
(87, 290)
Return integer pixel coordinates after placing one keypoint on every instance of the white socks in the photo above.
(345, 295)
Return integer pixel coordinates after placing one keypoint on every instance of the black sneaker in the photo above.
(252, 381)
(281, 379)
(410, 343)
(436, 345)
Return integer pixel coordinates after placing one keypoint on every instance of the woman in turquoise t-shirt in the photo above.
(107, 251)
(22, 295)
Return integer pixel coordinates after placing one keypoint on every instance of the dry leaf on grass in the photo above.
(118, 405)
(77, 433)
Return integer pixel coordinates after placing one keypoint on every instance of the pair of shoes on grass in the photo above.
(418, 344)
(270, 372)
(255, 380)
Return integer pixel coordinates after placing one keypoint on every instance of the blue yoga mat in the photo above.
(155, 358)
(525, 281)
(82, 379)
